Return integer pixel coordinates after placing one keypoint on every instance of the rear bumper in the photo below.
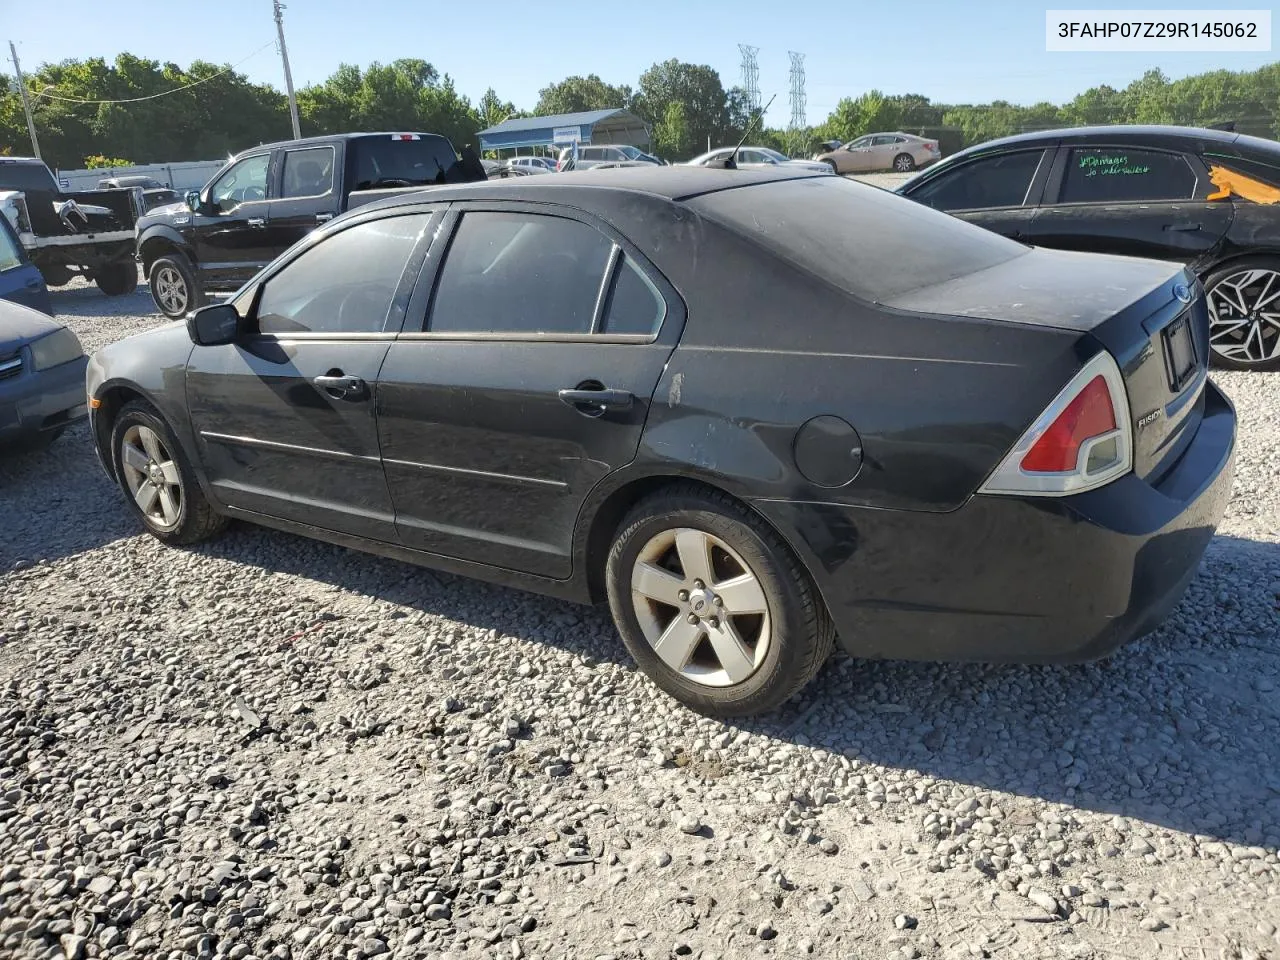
(1006, 579)
(46, 400)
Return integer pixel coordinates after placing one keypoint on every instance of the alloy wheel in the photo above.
(1244, 316)
(171, 290)
(701, 607)
(902, 164)
(152, 476)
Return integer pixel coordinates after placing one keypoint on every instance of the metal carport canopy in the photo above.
(594, 126)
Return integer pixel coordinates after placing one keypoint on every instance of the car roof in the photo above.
(675, 183)
(331, 137)
(1116, 133)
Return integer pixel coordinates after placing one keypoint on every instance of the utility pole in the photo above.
(26, 103)
(288, 76)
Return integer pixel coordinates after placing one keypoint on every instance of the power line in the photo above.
(53, 96)
(750, 77)
(797, 91)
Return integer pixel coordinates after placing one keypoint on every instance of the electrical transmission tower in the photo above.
(797, 91)
(750, 76)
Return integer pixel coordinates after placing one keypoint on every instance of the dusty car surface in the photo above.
(1206, 198)
(42, 369)
(699, 395)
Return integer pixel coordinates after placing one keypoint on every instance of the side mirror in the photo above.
(214, 325)
(192, 197)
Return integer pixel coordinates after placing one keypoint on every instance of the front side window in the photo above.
(243, 183)
(999, 181)
(343, 284)
(860, 142)
(10, 254)
(520, 273)
(1120, 174)
(308, 173)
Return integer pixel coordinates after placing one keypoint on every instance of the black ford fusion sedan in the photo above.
(753, 411)
(1207, 198)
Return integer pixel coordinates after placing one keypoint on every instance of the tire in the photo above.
(192, 518)
(904, 163)
(783, 647)
(117, 279)
(174, 287)
(55, 275)
(1255, 343)
(832, 165)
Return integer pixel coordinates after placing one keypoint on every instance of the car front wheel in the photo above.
(1244, 314)
(173, 286)
(157, 478)
(713, 606)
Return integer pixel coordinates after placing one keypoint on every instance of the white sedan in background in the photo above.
(756, 158)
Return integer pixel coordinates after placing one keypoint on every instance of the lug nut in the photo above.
(683, 595)
(718, 601)
(697, 584)
(714, 621)
(693, 618)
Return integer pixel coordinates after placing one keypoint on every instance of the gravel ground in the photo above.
(269, 747)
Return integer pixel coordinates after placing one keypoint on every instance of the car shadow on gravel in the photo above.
(1179, 729)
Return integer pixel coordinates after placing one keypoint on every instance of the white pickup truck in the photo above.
(88, 232)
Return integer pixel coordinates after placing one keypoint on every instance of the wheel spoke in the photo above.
(170, 471)
(134, 457)
(694, 549)
(656, 584)
(1263, 299)
(151, 444)
(168, 505)
(732, 653)
(743, 594)
(145, 498)
(677, 643)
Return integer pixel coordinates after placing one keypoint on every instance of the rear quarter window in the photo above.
(866, 241)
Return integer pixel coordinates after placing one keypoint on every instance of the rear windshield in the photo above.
(869, 242)
(26, 176)
(387, 161)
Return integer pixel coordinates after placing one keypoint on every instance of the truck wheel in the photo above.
(174, 287)
(117, 279)
(55, 274)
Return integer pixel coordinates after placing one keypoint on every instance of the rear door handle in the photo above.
(594, 402)
(257, 221)
(1184, 227)
(323, 217)
(341, 387)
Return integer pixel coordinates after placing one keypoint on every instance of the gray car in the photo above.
(42, 368)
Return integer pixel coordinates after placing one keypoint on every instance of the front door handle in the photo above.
(594, 401)
(34, 284)
(323, 217)
(341, 387)
(257, 221)
(1184, 227)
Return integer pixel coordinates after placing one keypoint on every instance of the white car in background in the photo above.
(757, 158)
(533, 164)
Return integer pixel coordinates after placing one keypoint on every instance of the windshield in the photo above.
(774, 154)
(389, 161)
(631, 152)
(868, 242)
(26, 176)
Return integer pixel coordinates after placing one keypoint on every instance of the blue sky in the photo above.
(950, 50)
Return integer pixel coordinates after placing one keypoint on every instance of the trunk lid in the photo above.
(1150, 315)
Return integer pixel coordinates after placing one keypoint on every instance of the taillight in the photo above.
(1081, 441)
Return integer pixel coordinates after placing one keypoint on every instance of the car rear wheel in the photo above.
(174, 288)
(904, 163)
(1244, 314)
(713, 606)
(157, 478)
(117, 279)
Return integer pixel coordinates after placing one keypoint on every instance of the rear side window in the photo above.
(308, 173)
(520, 273)
(635, 307)
(343, 284)
(999, 181)
(1119, 174)
(869, 242)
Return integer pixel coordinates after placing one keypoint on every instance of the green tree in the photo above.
(579, 94)
(491, 111)
(698, 90)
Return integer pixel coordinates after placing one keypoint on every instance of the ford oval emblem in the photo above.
(1182, 292)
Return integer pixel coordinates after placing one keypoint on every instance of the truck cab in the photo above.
(268, 198)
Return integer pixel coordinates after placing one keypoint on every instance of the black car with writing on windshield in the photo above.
(1209, 199)
(269, 197)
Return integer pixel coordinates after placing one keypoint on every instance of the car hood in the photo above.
(20, 325)
(170, 213)
(1048, 288)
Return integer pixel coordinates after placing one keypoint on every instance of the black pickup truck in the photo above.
(271, 196)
